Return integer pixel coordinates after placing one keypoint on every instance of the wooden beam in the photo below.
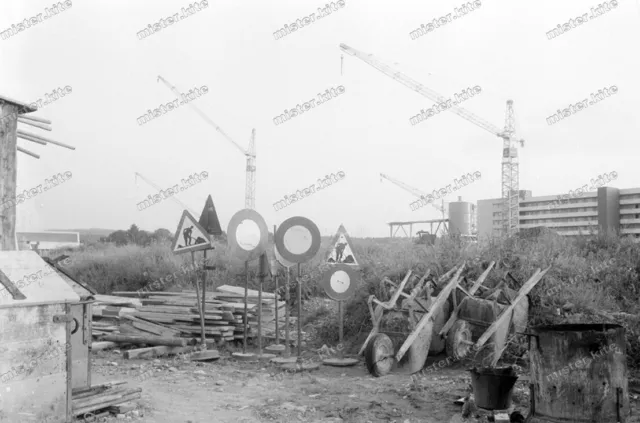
(148, 340)
(20, 132)
(36, 124)
(8, 174)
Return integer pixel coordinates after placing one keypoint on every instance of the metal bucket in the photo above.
(579, 373)
(493, 388)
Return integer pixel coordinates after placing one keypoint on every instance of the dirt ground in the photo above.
(231, 391)
(178, 391)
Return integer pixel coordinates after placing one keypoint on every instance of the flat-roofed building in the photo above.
(48, 240)
(608, 209)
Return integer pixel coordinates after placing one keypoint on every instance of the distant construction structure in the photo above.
(510, 167)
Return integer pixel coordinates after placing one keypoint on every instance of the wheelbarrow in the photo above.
(478, 320)
(406, 346)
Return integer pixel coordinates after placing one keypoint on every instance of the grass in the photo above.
(588, 275)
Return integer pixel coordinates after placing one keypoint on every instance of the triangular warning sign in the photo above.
(209, 218)
(341, 251)
(190, 236)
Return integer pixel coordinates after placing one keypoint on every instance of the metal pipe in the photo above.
(20, 132)
(36, 119)
(24, 137)
(36, 124)
(22, 150)
(246, 292)
(287, 298)
(299, 315)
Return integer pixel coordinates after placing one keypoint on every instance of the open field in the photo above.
(592, 280)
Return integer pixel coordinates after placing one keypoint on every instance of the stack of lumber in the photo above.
(165, 318)
(99, 397)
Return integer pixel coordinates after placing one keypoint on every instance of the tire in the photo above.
(380, 347)
(458, 339)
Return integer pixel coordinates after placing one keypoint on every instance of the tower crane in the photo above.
(173, 197)
(414, 191)
(510, 167)
(250, 152)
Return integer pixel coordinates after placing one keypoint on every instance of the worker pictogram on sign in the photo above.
(341, 252)
(190, 236)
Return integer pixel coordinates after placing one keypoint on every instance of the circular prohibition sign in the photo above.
(339, 282)
(297, 239)
(239, 250)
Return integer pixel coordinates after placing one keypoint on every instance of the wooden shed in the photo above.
(35, 339)
(81, 329)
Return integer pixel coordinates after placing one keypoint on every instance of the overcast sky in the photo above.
(229, 47)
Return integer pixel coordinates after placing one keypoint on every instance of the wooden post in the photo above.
(9, 111)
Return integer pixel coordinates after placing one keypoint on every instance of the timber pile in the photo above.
(166, 318)
(100, 397)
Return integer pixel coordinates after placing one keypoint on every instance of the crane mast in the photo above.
(250, 153)
(510, 167)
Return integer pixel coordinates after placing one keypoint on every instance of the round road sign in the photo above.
(282, 261)
(248, 235)
(339, 282)
(297, 239)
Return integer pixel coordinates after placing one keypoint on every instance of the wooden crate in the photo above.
(35, 340)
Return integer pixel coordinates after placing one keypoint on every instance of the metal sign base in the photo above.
(340, 362)
(265, 357)
(245, 356)
(284, 360)
(209, 355)
(275, 349)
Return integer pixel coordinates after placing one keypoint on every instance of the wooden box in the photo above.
(35, 340)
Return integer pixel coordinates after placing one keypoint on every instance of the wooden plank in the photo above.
(129, 396)
(428, 317)
(116, 300)
(148, 340)
(158, 351)
(89, 390)
(240, 291)
(506, 313)
(99, 346)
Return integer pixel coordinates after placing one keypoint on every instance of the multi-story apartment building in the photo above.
(607, 209)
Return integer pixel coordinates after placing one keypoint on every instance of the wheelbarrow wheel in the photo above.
(459, 340)
(379, 355)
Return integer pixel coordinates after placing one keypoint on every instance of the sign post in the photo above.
(194, 238)
(298, 241)
(247, 246)
(339, 283)
(276, 348)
